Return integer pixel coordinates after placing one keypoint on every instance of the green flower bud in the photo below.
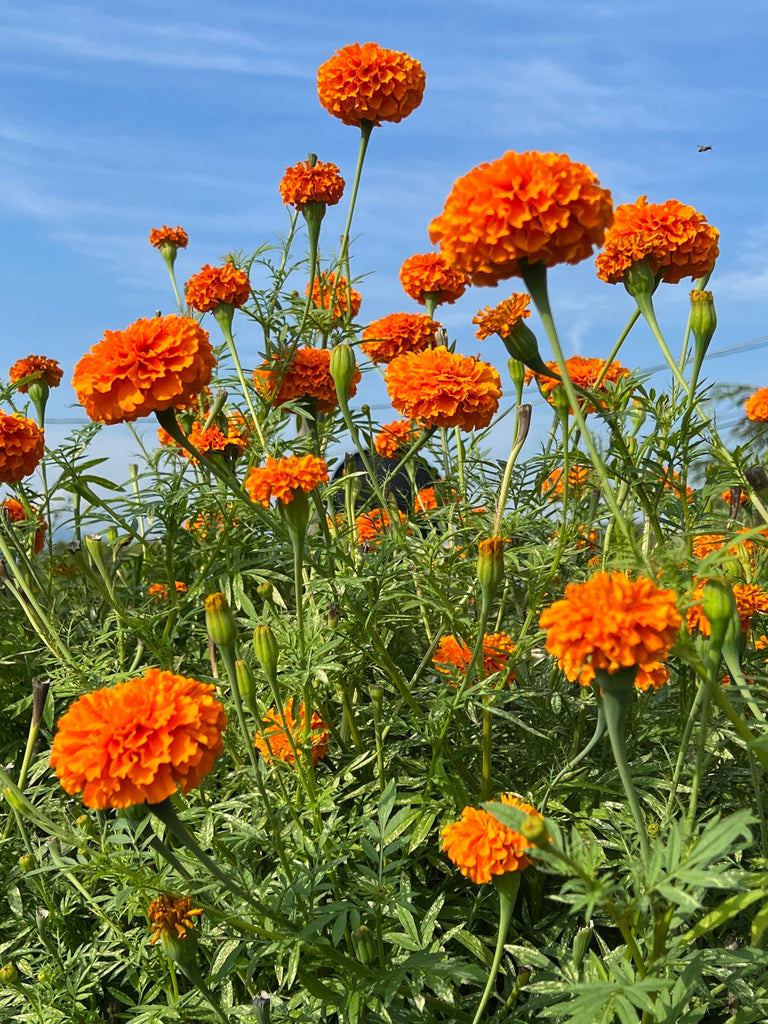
(27, 862)
(343, 369)
(219, 620)
(490, 565)
(267, 651)
(9, 974)
(364, 942)
(244, 681)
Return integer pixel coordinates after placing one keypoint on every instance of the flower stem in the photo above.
(506, 905)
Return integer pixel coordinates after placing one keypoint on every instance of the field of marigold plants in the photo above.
(411, 733)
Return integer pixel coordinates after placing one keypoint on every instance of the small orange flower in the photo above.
(369, 83)
(395, 438)
(21, 447)
(215, 440)
(536, 207)
(707, 543)
(453, 653)
(311, 183)
(578, 478)
(274, 743)
(177, 237)
(171, 916)
(749, 598)
(729, 493)
(398, 333)
(152, 365)
(443, 389)
(427, 499)
(481, 847)
(16, 514)
(502, 318)
(279, 478)
(160, 592)
(209, 523)
(371, 525)
(37, 367)
(137, 742)
(610, 622)
(583, 372)
(675, 239)
(217, 286)
(431, 274)
(326, 289)
(307, 375)
(756, 406)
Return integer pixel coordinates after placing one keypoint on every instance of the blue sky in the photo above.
(119, 117)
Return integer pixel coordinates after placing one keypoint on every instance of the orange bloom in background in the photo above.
(728, 494)
(37, 367)
(427, 498)
(707, 543)
(326, 287)
(279, 478)
(398, 333)
(209, 523)
(749, 598)
(431, 274)
(306, 375)
(481, 847)
(675, 239)
(152, 365)
(652, 676)
(756, 406)
(16, 514)
(583, 372)
(502, 318)
(371, 525)
(578, 479)
(274, 744)
(177, 237)
(369, 83)
(537, 207)
(171, 916)
(307, 183)
(215, 440)
(443, 389)
(22, 446)
(610, 622)
(395, 438)
(217, 286)
(454, 654)
(138, 741)
(160, 591)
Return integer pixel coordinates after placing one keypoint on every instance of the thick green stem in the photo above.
(507, 893)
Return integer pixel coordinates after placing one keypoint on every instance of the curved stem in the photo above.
(507, 903)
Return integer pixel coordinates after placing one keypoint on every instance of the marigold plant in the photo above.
(167, 236)
(284, 735)
(481, 847)
(171, 916)
(578, 478)
(502, 318)
(217, 286)
(139, 741)
(395, 438)
(306, 182)
(430, 274)
(330, 292)
(17, 514)
(280, 478)
(397, 333)
(22, 446)
(369, 83)
(306, 375)
(584, 374)
(750, 598)
(756, 406)
(38, 368)
(372, 524)
(452, 653)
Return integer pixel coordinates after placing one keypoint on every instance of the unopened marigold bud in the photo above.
(703, 318)
(219, 620)
(516, 369)
(264, 590)
(535, 830)
(267, 651)
(364, 942)
(490, 564)
(9, 974)
(244, 681)
(26, 862)
(40, 689)
(343, 369)
(332, 616)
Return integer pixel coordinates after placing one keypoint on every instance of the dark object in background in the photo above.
(398, 485)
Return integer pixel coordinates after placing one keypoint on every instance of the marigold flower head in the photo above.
(705, 544)
(279, 478)
(37, 367)
(398, 333)
(369, 83)
(307, 375)
(610, 622)
(583, 372)
(756, 406)
(213, 439)
(328, 289)
(311, 183)
(395, 438)
(274, 743)
(209, 523)
(428, 499)
(652, 676)
(578, 478)
(372, 524)
(22, 446)
(171, 916)
(536, 207)
(730, 493)
(453, 653)
(443, 389)
(749, 597)
(138, 741)
(502, 318)
(673, 238)
(217, 286)
(152, 365)
(161, 592)
(17, 514)
(177, 237)
(431, 274)
(481, 847)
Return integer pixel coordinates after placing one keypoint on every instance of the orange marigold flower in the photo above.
(217, 286)
(311, 183)
(431, 274)
(537, 207)
(306, 375)
(480, 846)
(749, 598)
(371, 525)
(453, 653)
(160, 591)
(215, 440)
(578, 478)
(369, 83)
(707, 543)
(171, 916)
(177, 237)
(502, 318)
(395, 438)
(326, 288)
(610, 622)
(279, 478)
(274, 742)
(427, 498)
(36, 367)
(728, 495)
(756, 406)
(17, 514)
(443, 389)
(652, 676)
(152, 365)
(21, 447)
(398, 333)
(675, 239)
(583, 372)
(209, 523)
(136, 742)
